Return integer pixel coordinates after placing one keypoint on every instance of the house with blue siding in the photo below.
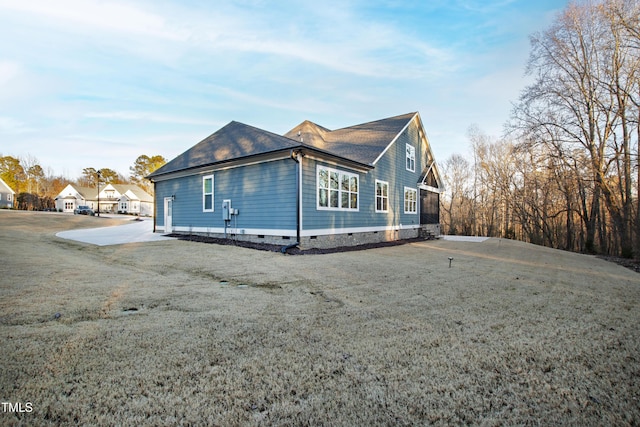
(312, 187)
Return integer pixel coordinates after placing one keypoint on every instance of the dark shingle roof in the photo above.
(361, 143)
(233, 141)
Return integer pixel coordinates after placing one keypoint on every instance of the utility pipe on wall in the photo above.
(297, 157)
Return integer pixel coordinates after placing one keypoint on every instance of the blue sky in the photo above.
(89, 83)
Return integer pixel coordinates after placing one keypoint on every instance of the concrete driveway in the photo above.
(132, 231)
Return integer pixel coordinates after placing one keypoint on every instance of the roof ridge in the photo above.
(362, 143)
(252, 127)
(409, 115)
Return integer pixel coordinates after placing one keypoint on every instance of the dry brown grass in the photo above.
(511, 334)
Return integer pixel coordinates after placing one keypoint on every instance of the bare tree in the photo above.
(456, 203)
(586, 73)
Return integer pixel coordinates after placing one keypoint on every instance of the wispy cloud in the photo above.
(128, 73)
(146, 116)
(80, 15)
(334, 37)
(337, 39)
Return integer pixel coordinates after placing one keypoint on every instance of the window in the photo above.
(69, 206)
(207, 193)
(337, 189)
(382, 196)
(123, 206)
(410, 200)
(9, 198)
(411, 158)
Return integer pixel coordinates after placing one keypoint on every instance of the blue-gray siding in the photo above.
(391, 167)
(264, 194)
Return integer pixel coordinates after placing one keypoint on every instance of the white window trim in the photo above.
(340, 175)
(410, 155)
(375, 196)
(404, 199)
(204, 178)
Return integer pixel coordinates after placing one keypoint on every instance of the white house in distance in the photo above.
(73, 196)
(114, 198)
(7, 195)
(124, 198)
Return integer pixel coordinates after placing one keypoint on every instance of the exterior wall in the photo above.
(263, 193)
(146, 209)
(127, 205)
(391, 167)
(109, 197)
(134, 205)
(69, 199)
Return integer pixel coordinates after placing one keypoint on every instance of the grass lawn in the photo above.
(185, 333)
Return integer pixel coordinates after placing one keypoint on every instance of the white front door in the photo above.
(168, 215)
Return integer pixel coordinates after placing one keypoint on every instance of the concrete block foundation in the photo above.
(334, 240)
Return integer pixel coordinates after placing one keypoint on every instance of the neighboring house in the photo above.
(114, 198)
(73, 196)
(313, 187)
(7, 195)
(126, 199)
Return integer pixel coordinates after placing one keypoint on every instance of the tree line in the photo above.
(565, 173)
(37, 187)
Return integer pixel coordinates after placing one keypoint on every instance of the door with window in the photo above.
(168, 215)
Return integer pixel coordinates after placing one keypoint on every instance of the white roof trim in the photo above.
(394, 139)
(7, 185)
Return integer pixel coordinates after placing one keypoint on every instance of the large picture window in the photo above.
(410, 200)
(207, 193)
(382, 196)
(337, 189)
(411, 158)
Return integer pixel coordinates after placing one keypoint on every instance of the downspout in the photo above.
(155, 207)
(297, 157)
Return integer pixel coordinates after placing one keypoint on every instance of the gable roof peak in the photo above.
(363, 143)
(5, 185)
(309, 133)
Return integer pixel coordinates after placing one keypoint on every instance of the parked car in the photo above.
(83, 210)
